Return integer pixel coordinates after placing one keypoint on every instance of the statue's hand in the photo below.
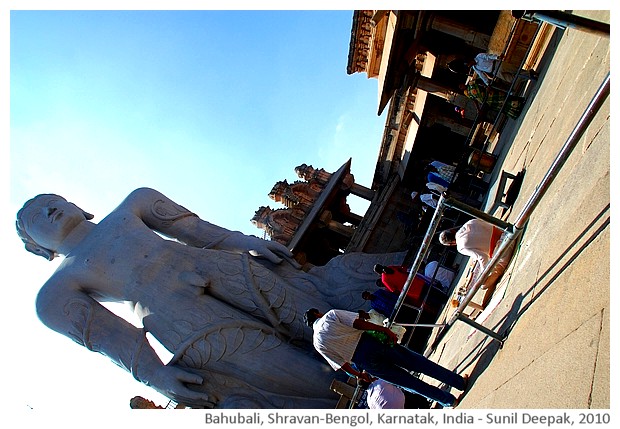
(171, 382)
(272, 251)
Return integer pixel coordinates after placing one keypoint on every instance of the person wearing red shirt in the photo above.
(394, 277)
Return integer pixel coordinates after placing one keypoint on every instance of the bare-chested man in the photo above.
(228, 306)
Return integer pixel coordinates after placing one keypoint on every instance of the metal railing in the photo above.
(455, 203)
(513, 230)
(565, 20)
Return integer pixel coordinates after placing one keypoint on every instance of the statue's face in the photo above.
(49, 219)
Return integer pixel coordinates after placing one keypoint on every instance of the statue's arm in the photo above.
(162, 214)
(75, 314)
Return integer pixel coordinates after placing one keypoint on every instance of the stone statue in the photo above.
(228, 306)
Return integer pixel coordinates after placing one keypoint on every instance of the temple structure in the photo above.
(316, 223)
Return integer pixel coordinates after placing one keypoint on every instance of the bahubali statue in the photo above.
(227, 305)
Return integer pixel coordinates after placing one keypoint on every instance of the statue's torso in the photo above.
(175, 285)
(219, 312)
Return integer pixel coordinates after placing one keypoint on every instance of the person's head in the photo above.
(311, 315)
(138, 402)
(367, 296)
(429, 168)
(45, 221)
(378, 268)
(448, 237)
(458, 66)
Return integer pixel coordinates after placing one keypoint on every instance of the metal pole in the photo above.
(432, 227)
(423, 325)
(462, 207)
(479, 327)
(354, 398)
(571, 142)
(566, 20)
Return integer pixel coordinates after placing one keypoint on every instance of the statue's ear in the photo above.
(40, 251)
(87, 215)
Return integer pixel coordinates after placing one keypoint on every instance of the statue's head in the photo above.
(46, 219)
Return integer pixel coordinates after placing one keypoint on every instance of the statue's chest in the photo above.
(120, 251)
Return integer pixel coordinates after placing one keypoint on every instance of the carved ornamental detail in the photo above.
(298, 198)
(316, 203)
(361, 41)
(280, 224)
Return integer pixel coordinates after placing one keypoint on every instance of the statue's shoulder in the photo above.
(153, 207)
(140, 199)
(139, 202)
(145, 199)
(66, 277)
(56, 292)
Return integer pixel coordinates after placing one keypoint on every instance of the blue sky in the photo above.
(211, 108)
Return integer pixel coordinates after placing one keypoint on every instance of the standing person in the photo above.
(383, 395)
(438, 179)
(345, 341)
(430, 200)
(382, 301)
(394, 277)
(442, 275)
(487, 65)
(478, 240)
(495, 99)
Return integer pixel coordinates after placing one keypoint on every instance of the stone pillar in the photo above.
(362, 192)
(353, 218)
(460, 30)
(432, 86)
(326, 219)
(341, 229)
(455, 126)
